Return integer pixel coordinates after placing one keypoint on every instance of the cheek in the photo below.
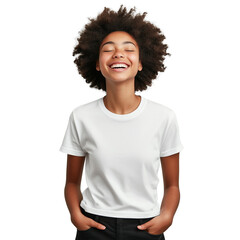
(102, 60)
(134, 59)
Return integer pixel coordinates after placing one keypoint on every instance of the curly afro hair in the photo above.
(148, 36)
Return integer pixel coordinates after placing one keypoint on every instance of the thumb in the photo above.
(97, 225)
(142, 227)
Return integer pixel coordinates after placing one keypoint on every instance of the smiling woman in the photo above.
(145, 35)
(119, 53)
(123, 138)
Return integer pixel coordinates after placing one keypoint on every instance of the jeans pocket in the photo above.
(89, 215)
(157, 236)
(85, 230)
(154, 236)
(81, 233)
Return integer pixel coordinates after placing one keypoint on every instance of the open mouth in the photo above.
(119, 66)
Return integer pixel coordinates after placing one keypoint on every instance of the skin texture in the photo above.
(119, 46)
(121, 99)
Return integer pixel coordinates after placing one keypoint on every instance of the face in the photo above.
(119, 57)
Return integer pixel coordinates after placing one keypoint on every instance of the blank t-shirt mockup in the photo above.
(122, 155)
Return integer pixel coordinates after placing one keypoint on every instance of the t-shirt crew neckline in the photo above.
(127, 116)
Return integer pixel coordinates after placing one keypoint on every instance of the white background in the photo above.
(40, 86)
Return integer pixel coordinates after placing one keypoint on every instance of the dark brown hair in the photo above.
(152, 51)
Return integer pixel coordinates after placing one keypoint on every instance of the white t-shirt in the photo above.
(122, 155)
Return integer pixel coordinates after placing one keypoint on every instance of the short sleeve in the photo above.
(171, 142)
(71, 141)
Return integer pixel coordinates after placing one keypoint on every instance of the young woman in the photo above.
(121, 138)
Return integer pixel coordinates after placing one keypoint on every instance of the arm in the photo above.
(171, 198)
(170, 170)
(73, 195)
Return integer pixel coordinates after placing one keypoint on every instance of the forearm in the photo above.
(170, 201)
(73, 197)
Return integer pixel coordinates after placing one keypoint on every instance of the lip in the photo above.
(118, 63)
(118, 69)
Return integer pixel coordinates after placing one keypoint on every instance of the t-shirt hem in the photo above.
(72, 151)
(121, 214)
(172, 151)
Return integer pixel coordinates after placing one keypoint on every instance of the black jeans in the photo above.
(116, 229)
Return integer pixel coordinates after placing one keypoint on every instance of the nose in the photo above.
(118, 54)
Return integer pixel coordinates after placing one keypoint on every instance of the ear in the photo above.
(97, 66)
(140, 67)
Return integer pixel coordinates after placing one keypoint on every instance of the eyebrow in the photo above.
(111, 42)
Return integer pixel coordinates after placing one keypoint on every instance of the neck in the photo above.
(121, 103)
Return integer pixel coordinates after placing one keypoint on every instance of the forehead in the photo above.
(119, 37)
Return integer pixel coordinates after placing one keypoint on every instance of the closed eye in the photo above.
(127, 50)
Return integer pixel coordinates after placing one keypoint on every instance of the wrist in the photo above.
(167, 215)
(76, 212)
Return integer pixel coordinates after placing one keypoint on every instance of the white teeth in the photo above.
(119, 65)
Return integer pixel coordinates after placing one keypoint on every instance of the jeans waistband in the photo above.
(111, 219)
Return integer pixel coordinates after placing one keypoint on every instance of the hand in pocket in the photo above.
(84, 223)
